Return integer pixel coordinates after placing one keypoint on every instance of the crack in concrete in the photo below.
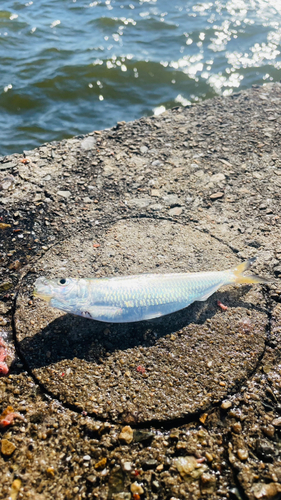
(241, 492)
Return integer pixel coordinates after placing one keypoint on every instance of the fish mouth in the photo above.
(36, 294)
(42, 289)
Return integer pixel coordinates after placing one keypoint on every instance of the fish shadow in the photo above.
(70, 336)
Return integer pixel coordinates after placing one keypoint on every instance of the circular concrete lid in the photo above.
(159, 370)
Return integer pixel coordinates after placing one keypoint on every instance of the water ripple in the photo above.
(70, 67)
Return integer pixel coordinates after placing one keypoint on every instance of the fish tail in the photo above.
(238, 273)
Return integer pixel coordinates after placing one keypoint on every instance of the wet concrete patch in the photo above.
(158, 370)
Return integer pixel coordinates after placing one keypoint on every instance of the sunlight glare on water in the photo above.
(70, 67)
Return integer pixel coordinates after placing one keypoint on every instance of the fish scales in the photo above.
(135, 298)
(175, 288)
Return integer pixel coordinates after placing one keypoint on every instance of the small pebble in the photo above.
(50, 472)
(64, 194)
(101, 464)
(189, 468)
(217, 196)
(3, 321)
(88, 143)
(136, 489)
(6, 285)
(92, 479)
(265, 449)
(149, 464)
(7, 448)
(155, 486)
(209, 456)
(7, 183)
(268, 430)
(242, 454)
(276, 422)
(181, 445)
(4, 308)
(127, 466)
(155, 192)
(237, 427)
(226, 404)
(176, 211)
(267, 491)
(15, 265)
(208, 483)
(127, 434)
(160, 467)
(171, 200)
(15, 488)
(203, 418)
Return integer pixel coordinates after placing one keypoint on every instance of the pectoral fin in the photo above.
(102, 313)
(209, 292)
(152, 315)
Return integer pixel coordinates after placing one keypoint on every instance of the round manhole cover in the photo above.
(153, 370)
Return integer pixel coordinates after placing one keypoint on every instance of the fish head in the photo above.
(52, 290)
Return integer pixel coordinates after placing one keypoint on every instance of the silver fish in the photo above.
(135, 298)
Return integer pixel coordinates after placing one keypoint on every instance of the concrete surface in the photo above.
(187, 406)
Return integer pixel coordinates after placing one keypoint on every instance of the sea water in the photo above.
(69, 67)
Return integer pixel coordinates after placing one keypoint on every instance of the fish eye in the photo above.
(62, 281)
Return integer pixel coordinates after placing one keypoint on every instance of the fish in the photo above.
(127, 299)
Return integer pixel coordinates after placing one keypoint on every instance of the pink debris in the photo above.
(8, 417)
(222, 306)
(140, 369)
(4, 370)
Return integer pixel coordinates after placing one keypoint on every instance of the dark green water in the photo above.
(69, 67)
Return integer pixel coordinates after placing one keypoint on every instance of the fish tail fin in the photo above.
(238, 273)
